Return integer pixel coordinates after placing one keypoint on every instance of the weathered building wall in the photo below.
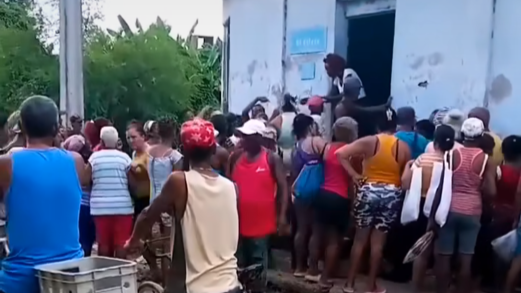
(446, 53)
(256, 37)
(505, 69)
(441, 63)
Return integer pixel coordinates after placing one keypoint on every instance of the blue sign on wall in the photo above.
(307, 71)
(308, 41)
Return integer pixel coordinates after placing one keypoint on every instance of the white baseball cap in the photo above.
(253, 126)
(472, 128)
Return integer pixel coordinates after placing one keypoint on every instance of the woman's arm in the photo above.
(488, 187)
(407, 174)
(358, 148)
(517, 205)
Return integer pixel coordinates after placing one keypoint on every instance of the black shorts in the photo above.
(332, 210)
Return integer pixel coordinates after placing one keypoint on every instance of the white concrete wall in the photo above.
(256, 36)
(469, 59)
(444, 44)
(503, 97)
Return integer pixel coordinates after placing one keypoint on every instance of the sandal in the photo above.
(325, 287)
(312, 278)
(348, 289)
(381, 291)
(299, 274)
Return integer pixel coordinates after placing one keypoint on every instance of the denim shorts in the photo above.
(461, 229)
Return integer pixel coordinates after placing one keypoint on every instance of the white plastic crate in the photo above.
(89, 275)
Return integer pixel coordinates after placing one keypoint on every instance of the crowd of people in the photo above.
(221, 185)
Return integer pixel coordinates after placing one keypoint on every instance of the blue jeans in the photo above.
(87, 230)
(252, 251)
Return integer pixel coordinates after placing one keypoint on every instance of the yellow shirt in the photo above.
(144, 189)
(497, 154)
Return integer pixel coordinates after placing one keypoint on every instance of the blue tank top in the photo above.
(43, 208)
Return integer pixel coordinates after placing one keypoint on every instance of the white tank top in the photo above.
(210, 228)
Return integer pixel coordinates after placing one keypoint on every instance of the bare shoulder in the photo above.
(5, 162)
(177, 179)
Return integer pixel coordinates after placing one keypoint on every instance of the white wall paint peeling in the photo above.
(444, 52)
(503, 96)
(441, 63)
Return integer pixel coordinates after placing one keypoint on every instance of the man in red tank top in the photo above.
(260, 179)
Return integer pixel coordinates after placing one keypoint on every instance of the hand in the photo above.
(432, 226)
(283, 227)
(409, 164)
(389, 102)
(133, 244)
(262, 99)
(358, 179)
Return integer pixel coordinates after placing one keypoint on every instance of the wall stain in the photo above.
(417, 63)
(250, 70)
(435, 59)
(500, 88)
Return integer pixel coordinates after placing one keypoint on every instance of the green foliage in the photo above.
(129, 74)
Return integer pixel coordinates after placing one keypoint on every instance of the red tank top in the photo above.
(336, 179)
(257, 191)
(507, 188)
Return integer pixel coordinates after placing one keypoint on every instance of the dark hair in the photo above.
(220, 123)
(39, 117)
(444, 137)
(406, 116)
(196, 155)
(166, 128)
(426, 128)
(288, 103)
(301, 125)
(387, 121)
(138, 126)
(335, 62)
(511, 147)
(487, 143)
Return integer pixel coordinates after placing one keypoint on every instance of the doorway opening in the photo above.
(370, 54)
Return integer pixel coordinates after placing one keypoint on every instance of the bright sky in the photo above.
(179, 14)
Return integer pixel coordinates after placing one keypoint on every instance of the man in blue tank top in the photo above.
(41, 188)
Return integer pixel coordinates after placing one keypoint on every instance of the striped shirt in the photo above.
(110, 194)
(426, 162)
(466, 183)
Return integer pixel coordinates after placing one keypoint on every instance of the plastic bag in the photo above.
(446, 193)
(437, 169)
(411, 204)
(505, 246)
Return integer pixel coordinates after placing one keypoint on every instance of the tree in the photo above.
(129, 74)
(27, 66)
(136, 76)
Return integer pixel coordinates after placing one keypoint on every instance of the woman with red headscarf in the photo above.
(92, 132)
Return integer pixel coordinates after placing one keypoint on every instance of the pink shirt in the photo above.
(430, 147)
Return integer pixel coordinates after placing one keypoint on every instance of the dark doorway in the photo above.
(370, 54)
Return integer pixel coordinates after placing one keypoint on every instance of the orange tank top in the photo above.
(383, 166)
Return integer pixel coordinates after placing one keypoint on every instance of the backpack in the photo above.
(310, 179)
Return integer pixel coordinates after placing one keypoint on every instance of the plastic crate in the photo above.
(88, 275)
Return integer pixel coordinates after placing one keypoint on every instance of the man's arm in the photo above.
(204, 112)
(277, 169)
(84, 173)
(231, 163)
(246, 112)
(172, 196)
(6, 168)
